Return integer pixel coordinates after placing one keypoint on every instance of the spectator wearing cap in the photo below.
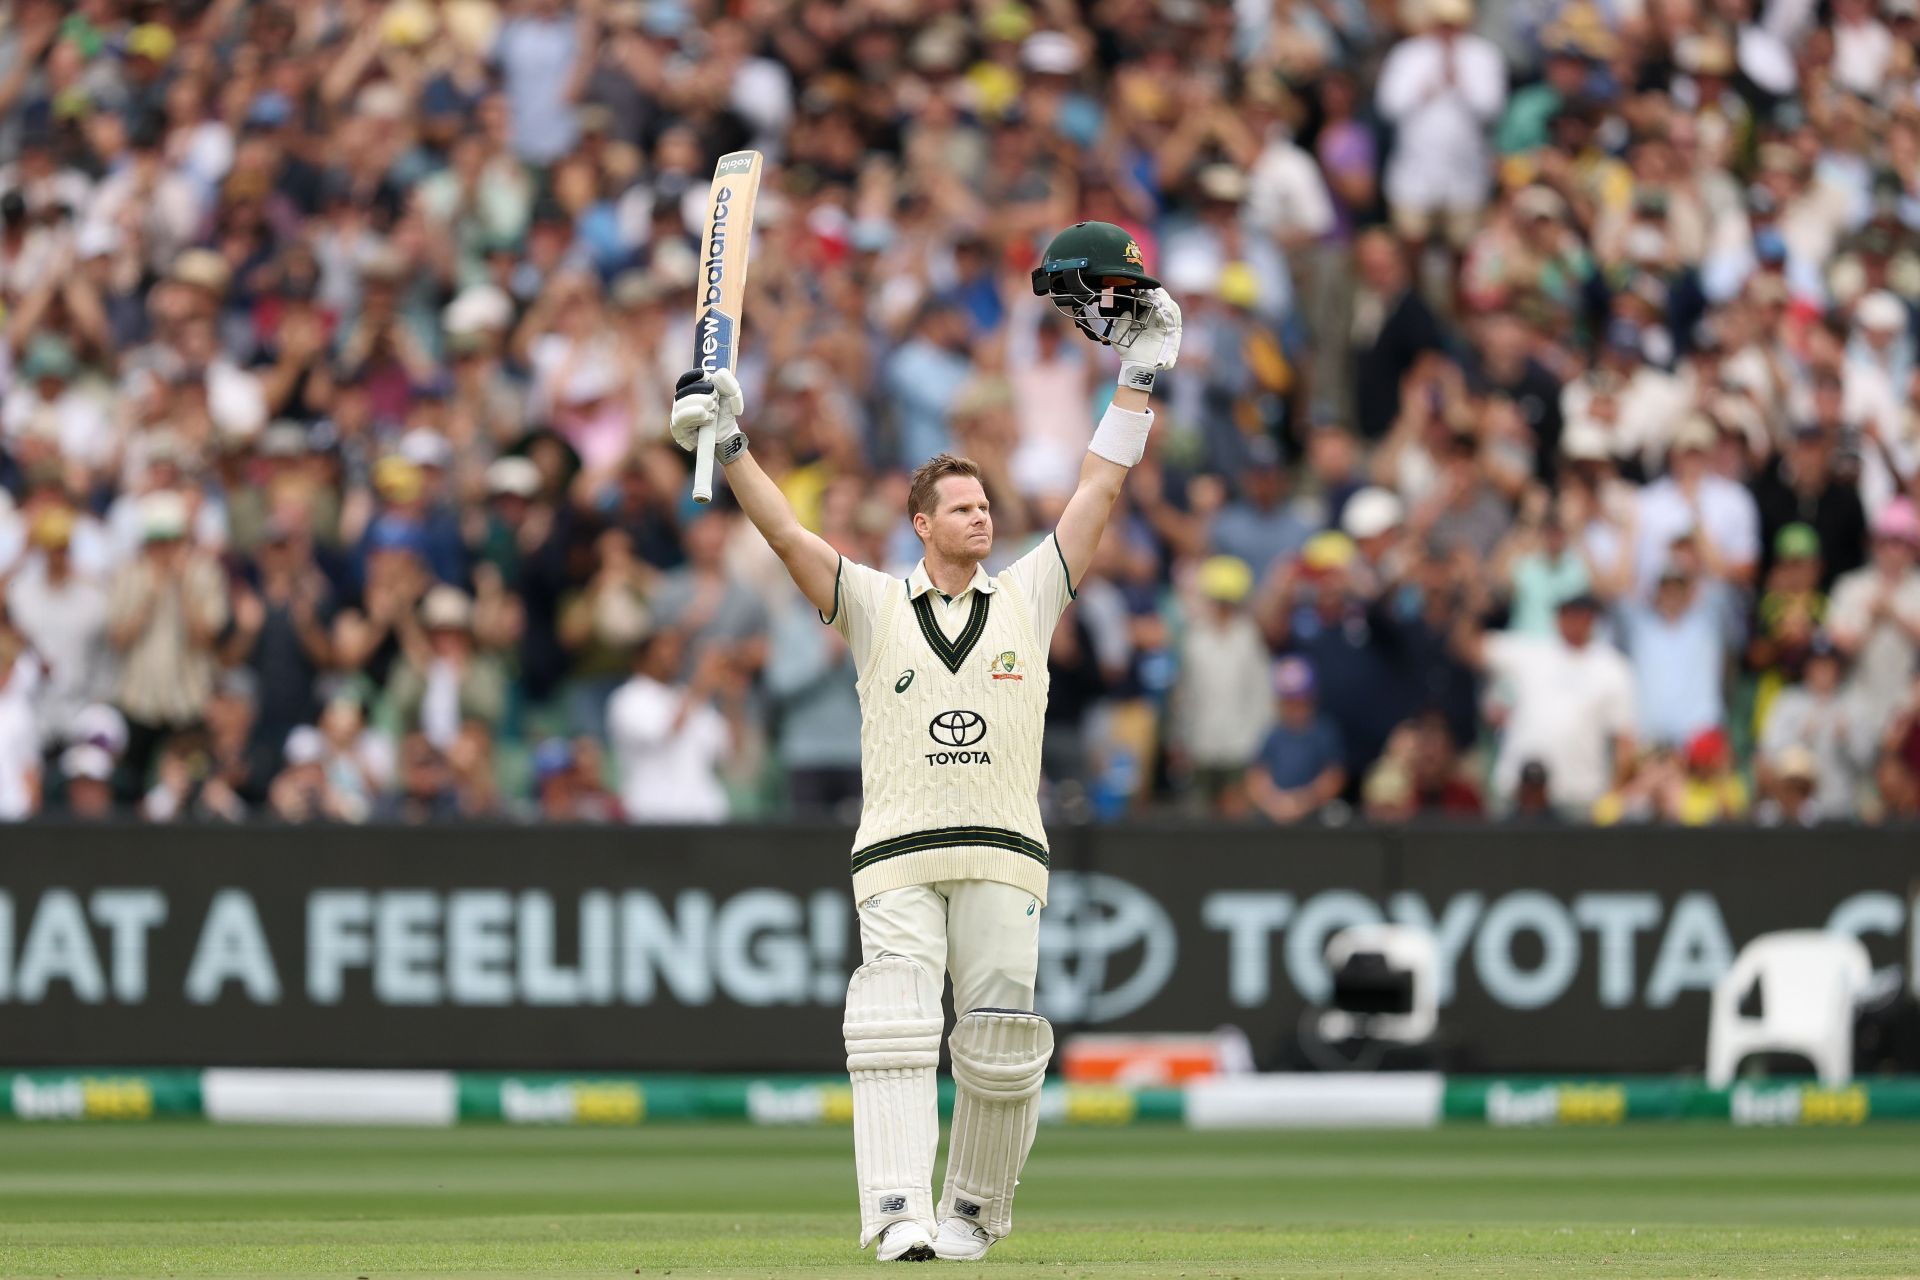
(279, 478)
(1789, 613)
(484, 392)
(1883, 338)
(1563, 81)
(1693, 498)
(1569, 704)
(411, 496)
(1216, 725)
(1881, 356)
(1875, 614)
(441, 680)
(1816, 714)
(1675, 645)
(425, 790)
(87, 791)
(1375, 519)
(165, 613)
(565, 790)
(514, 520)
(1710, 790)
(302, 791)
(49, 399)
(62, 614)
(1301, 767)
(163, 462)
(1319, 608)
(1258, 526)
(1799, 486)
(1790, 797)
(1443, 90)
(21, 776)
(429, 450)
(366, 631)
(670, 736)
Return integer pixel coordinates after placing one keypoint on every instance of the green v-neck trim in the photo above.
(952, 652)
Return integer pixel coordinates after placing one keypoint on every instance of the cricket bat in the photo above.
(728, 234)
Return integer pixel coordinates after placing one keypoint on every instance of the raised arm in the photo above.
(1085, 517)
(1120, 441)
(813, 565)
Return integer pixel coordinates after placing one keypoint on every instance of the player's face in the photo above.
(960, 526)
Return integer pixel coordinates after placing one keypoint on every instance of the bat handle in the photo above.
(703, 466)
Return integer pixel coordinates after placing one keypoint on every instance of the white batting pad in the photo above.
(1000, 1058)
(893, 1029)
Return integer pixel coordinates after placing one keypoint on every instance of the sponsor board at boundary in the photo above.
(675, 950)
(1259, 1101)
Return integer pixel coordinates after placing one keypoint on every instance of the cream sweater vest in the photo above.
(950, 747)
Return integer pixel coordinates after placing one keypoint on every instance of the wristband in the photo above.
(730, 449)
(1137, 375)
(1122, 434)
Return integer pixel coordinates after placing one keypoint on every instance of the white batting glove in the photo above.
(1155, 347)
(700, 398)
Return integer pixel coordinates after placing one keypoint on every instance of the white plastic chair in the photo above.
(1809, 982)
(1405, 948)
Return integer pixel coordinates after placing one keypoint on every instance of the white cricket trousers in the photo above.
(986, 934)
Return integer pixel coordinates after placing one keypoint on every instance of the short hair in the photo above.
(925, 489)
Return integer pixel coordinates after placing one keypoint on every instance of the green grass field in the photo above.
(180, 1199)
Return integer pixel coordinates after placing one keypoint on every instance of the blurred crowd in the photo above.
(1545, 442)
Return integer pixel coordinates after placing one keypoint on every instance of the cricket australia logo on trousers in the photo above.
(957, 729)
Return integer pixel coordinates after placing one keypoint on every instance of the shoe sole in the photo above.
(915, 1253)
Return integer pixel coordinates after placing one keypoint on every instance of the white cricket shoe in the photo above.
(961, 1241)
(903, 1242)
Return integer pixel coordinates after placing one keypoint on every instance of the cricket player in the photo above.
(950, 861)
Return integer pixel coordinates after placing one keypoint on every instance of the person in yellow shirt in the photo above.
(1710, 790)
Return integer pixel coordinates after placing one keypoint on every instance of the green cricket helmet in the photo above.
(1094, 274)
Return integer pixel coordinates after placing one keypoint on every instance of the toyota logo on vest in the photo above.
(957, 729)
